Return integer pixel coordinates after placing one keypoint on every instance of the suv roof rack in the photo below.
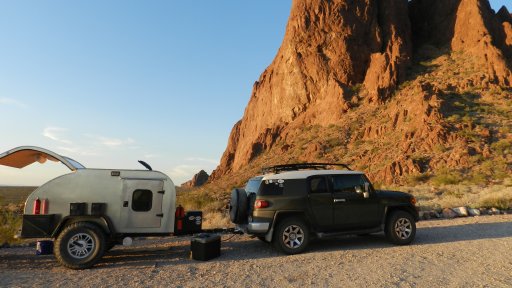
(301, 166)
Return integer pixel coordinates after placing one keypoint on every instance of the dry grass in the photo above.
(216, 220)
(449, 196)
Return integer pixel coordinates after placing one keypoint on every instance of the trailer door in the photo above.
(142, 203)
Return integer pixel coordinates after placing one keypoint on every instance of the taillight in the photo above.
(44, 206)
(261, 204)
(413, 201)
(36, 210)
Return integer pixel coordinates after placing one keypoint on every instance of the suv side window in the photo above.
(345, 185)
(318, 185)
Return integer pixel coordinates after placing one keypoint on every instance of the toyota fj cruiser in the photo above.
(290, 204)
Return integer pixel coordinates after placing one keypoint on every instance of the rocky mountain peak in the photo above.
(347, 66)
(198, 180)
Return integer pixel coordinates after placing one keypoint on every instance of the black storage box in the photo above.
(77, 209)
(205, 246)
(38, 226)
(98, 209)
(193, 222)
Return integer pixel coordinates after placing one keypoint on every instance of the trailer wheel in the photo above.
(80, 245)
(238, 206)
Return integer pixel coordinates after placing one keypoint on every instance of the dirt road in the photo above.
(465, 252)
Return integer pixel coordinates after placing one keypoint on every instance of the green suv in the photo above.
(289, 204)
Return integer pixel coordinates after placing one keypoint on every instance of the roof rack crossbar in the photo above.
(300, 166)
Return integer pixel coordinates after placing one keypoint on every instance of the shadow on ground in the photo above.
(178, 253)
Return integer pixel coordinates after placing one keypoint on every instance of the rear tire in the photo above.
(80, 245)
(291, 236)
(400, 228)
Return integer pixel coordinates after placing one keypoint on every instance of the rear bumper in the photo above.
(258, 227)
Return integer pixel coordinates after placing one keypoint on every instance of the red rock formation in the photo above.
(198, 180)
(341, 62)
(479, 33)
(328, 47)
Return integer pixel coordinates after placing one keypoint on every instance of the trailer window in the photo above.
(142, 200)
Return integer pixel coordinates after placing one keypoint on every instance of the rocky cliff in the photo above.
(198, 180)
(394, 87)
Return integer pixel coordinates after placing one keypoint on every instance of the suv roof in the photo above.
(306, 173)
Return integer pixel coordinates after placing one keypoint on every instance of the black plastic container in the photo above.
(98, 209)
(193, 222)
(77, 209)
(205, 246)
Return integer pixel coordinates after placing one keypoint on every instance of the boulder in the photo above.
(494, 211)
(461, 211)
(449, 213)
(473, 212)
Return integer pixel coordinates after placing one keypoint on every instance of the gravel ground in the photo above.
(464, 252)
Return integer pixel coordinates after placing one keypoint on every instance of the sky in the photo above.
(108, 83)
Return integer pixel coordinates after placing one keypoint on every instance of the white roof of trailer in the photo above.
(23, 156)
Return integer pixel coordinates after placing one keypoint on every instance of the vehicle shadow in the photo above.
(256, 249)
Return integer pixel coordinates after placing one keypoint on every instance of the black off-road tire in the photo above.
(400, 228)
(238, 206)
(80, 245)
(291, 236)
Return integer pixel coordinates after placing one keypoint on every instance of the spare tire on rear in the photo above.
(238, 206)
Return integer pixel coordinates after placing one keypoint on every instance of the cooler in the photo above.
(205, 246)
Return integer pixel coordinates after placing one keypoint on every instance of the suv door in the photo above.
(321, 203)
(142, 203)
(351, 209)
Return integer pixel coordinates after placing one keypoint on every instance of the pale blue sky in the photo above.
(112, 82)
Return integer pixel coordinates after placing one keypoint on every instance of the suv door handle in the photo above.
(340, 200)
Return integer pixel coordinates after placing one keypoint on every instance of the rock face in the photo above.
(328, 47)
(340, 65)
(198, 180)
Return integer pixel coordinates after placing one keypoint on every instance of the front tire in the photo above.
(80, 245)
(400, 228)
(292, 236)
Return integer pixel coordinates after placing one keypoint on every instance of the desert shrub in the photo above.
(502, 147)
(446, 177)
(10, 223)
(415, 179)
(503, 202)
(216, 220)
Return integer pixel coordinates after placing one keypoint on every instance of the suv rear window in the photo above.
(271, 187)
(253, 185)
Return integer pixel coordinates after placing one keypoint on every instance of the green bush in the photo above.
(502, 147)
(10, 223)
(446, 177)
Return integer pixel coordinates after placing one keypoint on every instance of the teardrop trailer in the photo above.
(88, 211)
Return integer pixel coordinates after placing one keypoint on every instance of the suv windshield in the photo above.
(253, 185)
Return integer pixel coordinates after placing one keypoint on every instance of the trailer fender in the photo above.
(101, 221)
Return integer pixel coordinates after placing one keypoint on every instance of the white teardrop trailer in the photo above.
(88, 211)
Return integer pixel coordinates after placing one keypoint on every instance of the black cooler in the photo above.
(205, 246)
